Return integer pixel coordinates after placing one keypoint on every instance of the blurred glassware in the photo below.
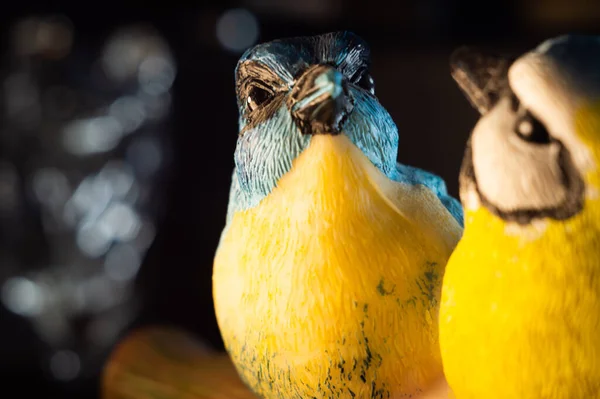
(83, 146)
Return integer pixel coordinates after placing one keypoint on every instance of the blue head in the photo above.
(289, 90)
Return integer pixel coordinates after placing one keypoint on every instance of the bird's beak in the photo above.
(320, 101)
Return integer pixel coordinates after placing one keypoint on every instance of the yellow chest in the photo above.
(520, 316)
(329, 287)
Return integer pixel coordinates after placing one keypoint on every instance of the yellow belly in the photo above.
(520, 317)
(329, 288)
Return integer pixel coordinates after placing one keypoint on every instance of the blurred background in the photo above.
(117, 129)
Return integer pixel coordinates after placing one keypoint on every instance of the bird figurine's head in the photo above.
(292, 89)
(533, 157)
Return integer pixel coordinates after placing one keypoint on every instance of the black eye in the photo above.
(257, 96)
(366, 82)
(529, 129)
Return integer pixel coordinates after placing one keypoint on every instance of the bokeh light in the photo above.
(65, 365)
(22, 296)
(122, 262)
(237, 29)
(89, 136)
(81, 140)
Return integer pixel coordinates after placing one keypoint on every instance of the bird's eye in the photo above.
(366, 82)
(530, 129)
(257, 96)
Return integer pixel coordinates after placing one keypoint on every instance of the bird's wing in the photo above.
(413, 175)
(167, 363)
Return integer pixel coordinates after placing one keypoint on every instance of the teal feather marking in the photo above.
(413, 175)
(264, 154)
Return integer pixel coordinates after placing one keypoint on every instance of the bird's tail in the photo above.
(165, 363)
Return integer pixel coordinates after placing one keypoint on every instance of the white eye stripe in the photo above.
(511, 173)
(521, 176)
(547, 92)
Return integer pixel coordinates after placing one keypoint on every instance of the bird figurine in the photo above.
(328, 273)
(520, 306)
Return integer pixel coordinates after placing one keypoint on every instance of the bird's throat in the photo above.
(330, 176)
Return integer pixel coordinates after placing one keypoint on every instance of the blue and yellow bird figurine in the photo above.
(520, 311)
(328, 273)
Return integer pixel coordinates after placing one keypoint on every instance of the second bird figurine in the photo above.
(328, 274)
(520, 313)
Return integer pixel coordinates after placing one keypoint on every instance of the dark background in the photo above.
(411, 42)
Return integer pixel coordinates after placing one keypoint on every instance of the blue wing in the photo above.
(412, 175)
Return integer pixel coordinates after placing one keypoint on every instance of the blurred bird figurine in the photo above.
(328, 273)
(520, 311)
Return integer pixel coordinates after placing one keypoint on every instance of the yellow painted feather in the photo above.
(330, 286)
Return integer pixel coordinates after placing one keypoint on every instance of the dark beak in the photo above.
(320, 101)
